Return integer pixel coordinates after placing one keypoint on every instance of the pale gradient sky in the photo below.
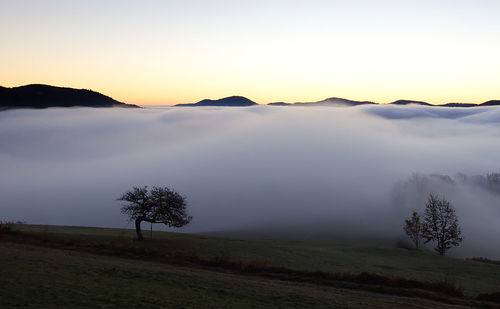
(167, 52)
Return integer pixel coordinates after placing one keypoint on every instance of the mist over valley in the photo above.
(317, 173)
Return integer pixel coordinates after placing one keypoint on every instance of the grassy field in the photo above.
(34, 277)
(62, 276)
(472, 276)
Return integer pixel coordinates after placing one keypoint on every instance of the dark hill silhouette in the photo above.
(345, 102)
(43, 96)
(491, 103)
(459, 105)
(229, 101)
(335, 100)
(326, 102)
(406, 102)
(280, 104)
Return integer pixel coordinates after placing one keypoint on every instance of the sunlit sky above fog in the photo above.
(167, 52)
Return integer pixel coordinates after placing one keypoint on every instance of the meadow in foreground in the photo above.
(84, 267)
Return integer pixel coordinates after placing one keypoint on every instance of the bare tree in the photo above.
(168, 207)
(440, 224)
(413, 228)
(160, 205)
(138, 207)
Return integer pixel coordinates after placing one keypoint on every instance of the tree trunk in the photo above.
(138, 229)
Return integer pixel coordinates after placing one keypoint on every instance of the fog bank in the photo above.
(340, 170)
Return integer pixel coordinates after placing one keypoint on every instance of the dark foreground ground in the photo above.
(69, 267)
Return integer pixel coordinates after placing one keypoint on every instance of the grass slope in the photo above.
(473, 277)
(39, 276)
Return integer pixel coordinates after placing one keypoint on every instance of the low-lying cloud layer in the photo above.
(325, 169)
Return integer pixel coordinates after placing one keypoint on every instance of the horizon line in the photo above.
(269, 102)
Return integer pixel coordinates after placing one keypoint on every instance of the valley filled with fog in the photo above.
(309, 172)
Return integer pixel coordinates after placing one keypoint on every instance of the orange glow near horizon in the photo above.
(166, 52)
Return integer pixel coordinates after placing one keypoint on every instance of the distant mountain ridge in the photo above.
(491, 103)
(229, 101)
(406, 102)
(326, 102)
(345, 102)
(236, 101)
(44, 96)
(459, 105)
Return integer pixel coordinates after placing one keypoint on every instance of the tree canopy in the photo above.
(413, 228)
(158, 205)
(440, 224)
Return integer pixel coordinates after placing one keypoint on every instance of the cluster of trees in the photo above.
(158, 205)
(490, 182)
(439, 224)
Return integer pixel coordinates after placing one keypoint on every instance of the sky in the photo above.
(167, 52)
